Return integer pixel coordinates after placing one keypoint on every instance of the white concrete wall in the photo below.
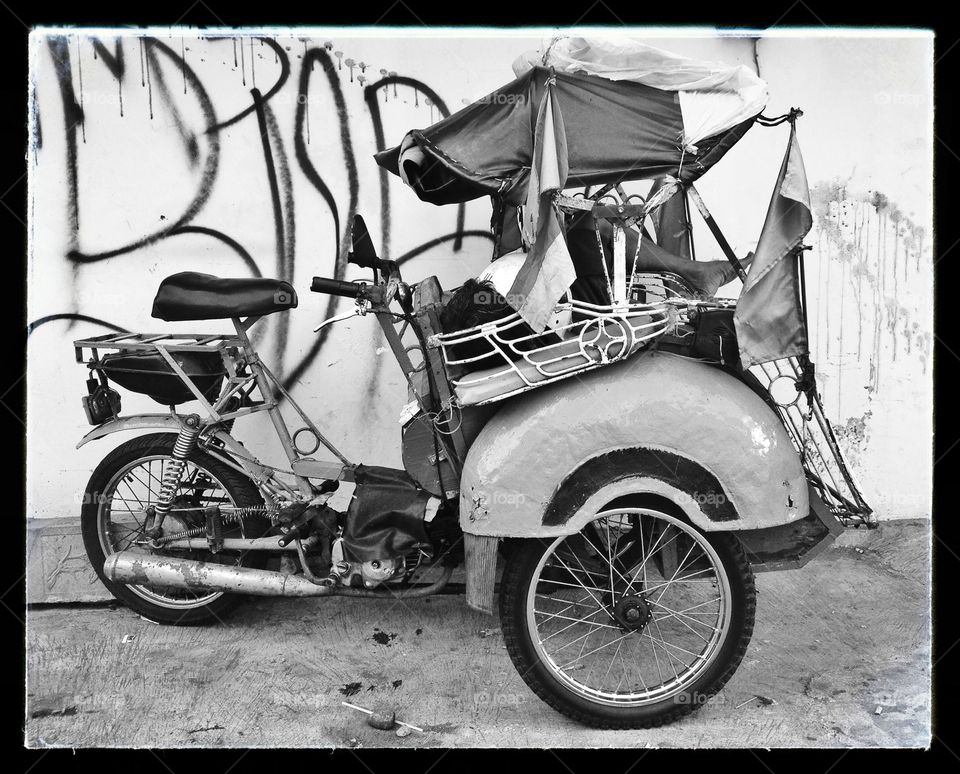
(866, 132)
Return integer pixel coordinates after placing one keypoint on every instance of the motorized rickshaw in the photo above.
(618, 464)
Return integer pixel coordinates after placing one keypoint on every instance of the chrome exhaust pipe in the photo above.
(191, 575)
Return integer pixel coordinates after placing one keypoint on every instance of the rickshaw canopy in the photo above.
(586, 112)
(629, 112)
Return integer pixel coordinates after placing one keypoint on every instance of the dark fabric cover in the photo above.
(190, 295)
(716, 337)
(385, 517)
(672, 224)
(591, 283)
(616, 131)
(476, 303)
(148, 373)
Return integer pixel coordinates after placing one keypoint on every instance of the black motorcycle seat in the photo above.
(191, 295)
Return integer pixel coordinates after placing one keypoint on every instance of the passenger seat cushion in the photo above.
(191, 295)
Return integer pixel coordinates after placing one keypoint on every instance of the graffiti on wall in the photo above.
(163, 70)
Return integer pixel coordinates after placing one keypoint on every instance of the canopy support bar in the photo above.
(717, 233)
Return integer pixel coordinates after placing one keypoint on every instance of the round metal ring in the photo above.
(315, 438)
(781, 388)
(602, 335)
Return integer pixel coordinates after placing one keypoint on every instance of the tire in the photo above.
(586, 698)
(104, 489)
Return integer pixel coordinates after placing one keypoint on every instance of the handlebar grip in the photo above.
(335, 287)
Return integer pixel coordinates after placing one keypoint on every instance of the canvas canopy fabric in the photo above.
(588, 112)
(615, 131)
(769, 316)
(713, 97)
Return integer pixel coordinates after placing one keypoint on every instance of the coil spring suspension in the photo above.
(226, 518)
(185, 444)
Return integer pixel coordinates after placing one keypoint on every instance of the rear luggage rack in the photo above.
(149, 342)
(171, 368)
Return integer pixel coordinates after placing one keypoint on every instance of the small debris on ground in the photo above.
(350, 689)
(206, 728)
(127, 638)
(383, 638)
(488, 632)
(878, 710)
(371, 713)
(764, 701)
(383, 720)
(149, 621)
(403, 731)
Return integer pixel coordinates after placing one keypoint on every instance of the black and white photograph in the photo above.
(472, 387)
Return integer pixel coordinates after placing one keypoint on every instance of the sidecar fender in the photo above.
(669, 428)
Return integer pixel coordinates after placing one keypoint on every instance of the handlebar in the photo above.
(336, 287)
(381, 293)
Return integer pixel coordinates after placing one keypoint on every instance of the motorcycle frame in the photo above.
(237, 352)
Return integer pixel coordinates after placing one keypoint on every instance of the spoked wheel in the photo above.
(113, 519)
(632, 622)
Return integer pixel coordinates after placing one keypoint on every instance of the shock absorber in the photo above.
(185, 444)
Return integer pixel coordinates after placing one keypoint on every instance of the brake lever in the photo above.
(362, 307)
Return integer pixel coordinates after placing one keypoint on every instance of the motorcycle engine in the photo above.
(369, 574)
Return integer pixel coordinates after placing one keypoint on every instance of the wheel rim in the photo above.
(121, 517)
(631, 610)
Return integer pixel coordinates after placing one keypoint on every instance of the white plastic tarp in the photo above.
(713, 97)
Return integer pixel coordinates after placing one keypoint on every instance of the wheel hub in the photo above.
(632, 612)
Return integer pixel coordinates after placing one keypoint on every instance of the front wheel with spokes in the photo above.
(637, 619)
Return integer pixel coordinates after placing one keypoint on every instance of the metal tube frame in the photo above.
(237, 352)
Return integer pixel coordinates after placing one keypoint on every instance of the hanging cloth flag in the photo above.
(548, 270)
(769, 314)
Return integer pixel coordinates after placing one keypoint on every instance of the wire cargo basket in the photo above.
(495, 360)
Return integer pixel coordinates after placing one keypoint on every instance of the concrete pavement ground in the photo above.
(840, 657)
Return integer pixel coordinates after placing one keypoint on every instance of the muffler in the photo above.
(168, 572)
